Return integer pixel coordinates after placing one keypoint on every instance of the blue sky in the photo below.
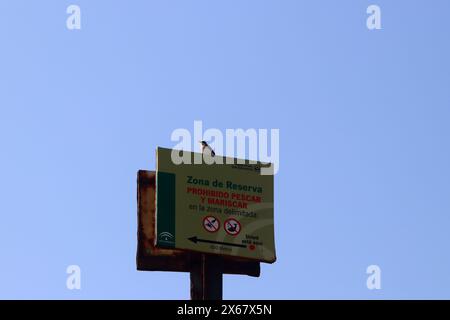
(364, 139)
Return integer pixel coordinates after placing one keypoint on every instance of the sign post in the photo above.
(207, 220)
(206, 277)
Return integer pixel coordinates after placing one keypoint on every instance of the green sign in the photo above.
(215, 208)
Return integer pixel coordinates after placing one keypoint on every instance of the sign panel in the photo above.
(214, 208)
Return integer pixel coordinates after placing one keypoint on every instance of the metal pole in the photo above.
(206, 277)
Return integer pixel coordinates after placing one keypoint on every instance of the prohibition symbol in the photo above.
(232, 227)
(211, 224)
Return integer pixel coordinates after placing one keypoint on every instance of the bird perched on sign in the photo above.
(207, 149)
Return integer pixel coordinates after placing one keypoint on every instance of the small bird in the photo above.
(207, 149)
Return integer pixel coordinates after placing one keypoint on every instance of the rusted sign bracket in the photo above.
(206, 270)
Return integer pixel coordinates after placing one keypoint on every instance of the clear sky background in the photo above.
(364, 139)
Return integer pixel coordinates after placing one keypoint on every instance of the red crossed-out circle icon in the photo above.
(211, 224)
(232, 227)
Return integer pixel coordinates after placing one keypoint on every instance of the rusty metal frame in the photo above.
(206, 270)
